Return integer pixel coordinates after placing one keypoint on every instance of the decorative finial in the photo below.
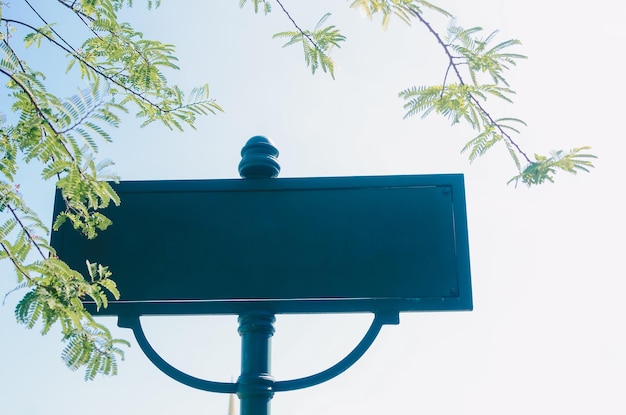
(259, 159)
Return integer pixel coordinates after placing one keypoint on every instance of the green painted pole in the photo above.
(255, 386)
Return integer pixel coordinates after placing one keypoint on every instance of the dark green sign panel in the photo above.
(341, 244)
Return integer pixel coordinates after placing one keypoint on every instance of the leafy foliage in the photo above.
(55, 296)
(123, 70)
(469, 56)
(475, 57)
(316, 44)
(544, 168)
(257, 4)
(403, 9)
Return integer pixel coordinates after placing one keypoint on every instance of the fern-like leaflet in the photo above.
(316, 44)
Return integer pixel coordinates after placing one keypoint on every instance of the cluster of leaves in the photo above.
(258, 4)
(471, 57)
(122, 70)
(55, 291)
(316, 44)
(55, 297)
(402, 9)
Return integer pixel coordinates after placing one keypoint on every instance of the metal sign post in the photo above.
(255, 384)
(264, 246)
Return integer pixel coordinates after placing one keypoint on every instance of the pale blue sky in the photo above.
(547, 332)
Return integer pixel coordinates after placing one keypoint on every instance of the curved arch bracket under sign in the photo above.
(258, 322)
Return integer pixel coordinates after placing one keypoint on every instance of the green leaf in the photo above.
(544, 168)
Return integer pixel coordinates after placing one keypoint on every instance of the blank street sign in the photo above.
(335, 244)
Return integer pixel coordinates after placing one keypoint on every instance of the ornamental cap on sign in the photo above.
(259, 159)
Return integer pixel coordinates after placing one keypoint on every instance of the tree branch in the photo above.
(40, 112)
(97, 70)
(452, 64)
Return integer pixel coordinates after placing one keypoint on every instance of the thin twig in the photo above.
(17, 265)
(47, 24)
(31, 237)
(302, 32)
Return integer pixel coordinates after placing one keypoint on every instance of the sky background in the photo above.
(547, 332)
